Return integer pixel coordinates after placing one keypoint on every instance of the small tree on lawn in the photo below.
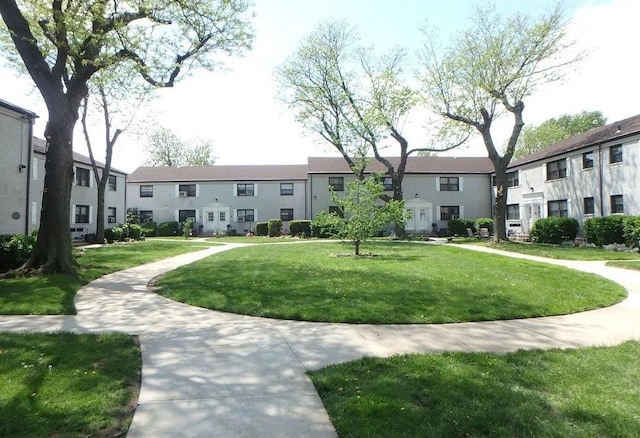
(361, 213)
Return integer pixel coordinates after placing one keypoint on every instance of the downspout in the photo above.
(601, 179)
(28, 164)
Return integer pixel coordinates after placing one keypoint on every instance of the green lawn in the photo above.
(556, 251)
(65, 385)
(53, 294)
(629, 264)
(590, 392)
(404, 283)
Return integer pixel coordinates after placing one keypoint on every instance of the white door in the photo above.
(533, 212)
(216, 219)
(420, 217)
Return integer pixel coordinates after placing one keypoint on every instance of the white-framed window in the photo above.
(187, 190)
(513, 212)
(449, 184)
(146, 191)
(588, 160)
(589, 205)
(83, 177)
(615, 154)
(286, 189)
(557, 169)
(286, 214)
(559, 208)
(245, 215)
(617, 204)
(113, 183)
(111, 215)
(448, 212)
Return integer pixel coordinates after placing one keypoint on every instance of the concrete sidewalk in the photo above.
(214, 374)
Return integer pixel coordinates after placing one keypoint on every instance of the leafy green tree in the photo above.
(488, 71)
(361, 214)
(165, 148)
(354, 100)
(63, 44)
(552, 131)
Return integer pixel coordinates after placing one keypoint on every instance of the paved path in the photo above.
(214, 374)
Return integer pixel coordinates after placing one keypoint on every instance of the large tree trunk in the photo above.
(398, 228)
(52, 251)
(500, 204)
(102, 183)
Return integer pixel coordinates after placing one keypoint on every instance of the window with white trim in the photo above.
(559, 208)
(449, 184)
(82, 214)
(286, 189)
(286, 214)
(245, 215)
(617, 204)
(615, 154)
(589, 205)
(557, 169)
(513, 212)
(111, 215)
(146, 191)
(83, 177)
(448, 212)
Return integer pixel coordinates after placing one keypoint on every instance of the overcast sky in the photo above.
(237, 109)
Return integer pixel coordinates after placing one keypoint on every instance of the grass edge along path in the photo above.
(405, 283)
(552, 393)
(68, 385)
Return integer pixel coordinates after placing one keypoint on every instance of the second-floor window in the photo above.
(286, 189)
(558, 208)
(336, 183)
(83, 177)
(587, 160)
(245, 190)
(187, 190)
(557, 169)
(82, 214)
(615, 154)
(113, 183)
(146, 191)
(387, 183)
(449, 184)
(513, 179)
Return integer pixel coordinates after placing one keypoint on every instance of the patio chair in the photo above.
(484, 233)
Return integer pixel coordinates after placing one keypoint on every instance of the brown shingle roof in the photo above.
(39, 146)
(414, 165)
(219, 173)
(608, 133)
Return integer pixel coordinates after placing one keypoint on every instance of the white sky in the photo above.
(238, 111)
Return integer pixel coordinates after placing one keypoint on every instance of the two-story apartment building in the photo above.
(596, 173)
(22, 174)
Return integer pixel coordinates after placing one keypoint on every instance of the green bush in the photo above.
(113, 234)
(604, 230)
(262, 228)
(554, 230)
(15, 249)
(459, 226)
(275, 227)
(171, 228)
(150, 229)
(485, 222)
(301, 228)
(187, 228)
(631, 231)
(134, 231)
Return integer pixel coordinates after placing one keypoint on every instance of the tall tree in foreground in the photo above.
(352, 99)
(64, 43)
(165, 148)
(552, 131)
(488, 71)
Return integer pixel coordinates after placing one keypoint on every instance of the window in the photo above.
(513, 212)
(513, 179)
(244, 190)
(245, 215)
(557, 169)
(189, 190)
(587, 160)
(449, 184)
(113, 183)
(337, 210)
(617, 204)
(183, 215)
(111, 215)
(387, 183)
(223, 216)
(336, 183)
(286, 214)
(146, 216)
(286, 189)
(83, 177)
(558, 208)
(449, 212)
(146, 191)
(82, 214)
(615, 154)
(211, 216)
(589, 205)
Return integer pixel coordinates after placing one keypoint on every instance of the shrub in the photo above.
(322, 230)
(275, 227)
(554, 230)
(15, 249)
(134, 231)
(149, 229)
(113, 234)
(262, 228)
(459, 226)
(485, 222)
(300, 228)
(631, 231)
(604, 230)
(171, 228)
(187, 228)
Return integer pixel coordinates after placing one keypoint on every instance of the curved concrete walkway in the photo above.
(215, 374)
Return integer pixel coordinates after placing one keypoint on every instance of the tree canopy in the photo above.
(165, 148)
(63, 44)
(487, 72)
(554, 130)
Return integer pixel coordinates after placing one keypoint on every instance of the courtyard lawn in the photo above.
(589, 392)
(65, 385)
(53, 294)
(629, 264)
(401, 283)
(556, 251)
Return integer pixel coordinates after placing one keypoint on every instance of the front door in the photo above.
(420, 217)
(216, 219)
(532, 213)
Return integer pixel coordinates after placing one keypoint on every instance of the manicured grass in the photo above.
(630, 264)
(405, 283)
(53, 294)
(255, 240)
(65, 385)
(558, 251)
(591, 392)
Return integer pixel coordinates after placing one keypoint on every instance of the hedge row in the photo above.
(459, 226)
(554, 230)
(613, 229)
(123, 232)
